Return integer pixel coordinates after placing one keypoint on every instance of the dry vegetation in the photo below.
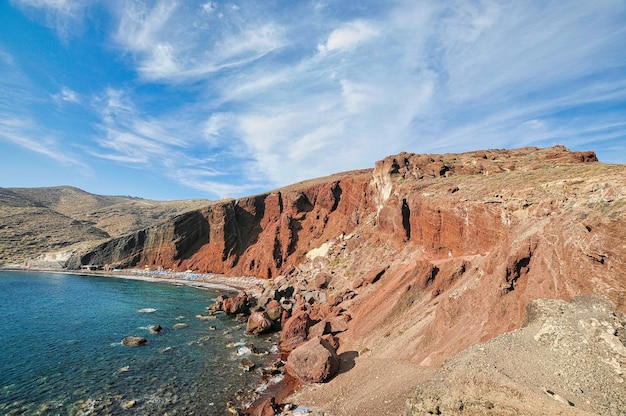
(34, 221)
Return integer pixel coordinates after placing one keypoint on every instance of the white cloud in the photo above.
(173, 42)
(66, 95)
(258, 97)
(64, 16)
(349, 36)
(358, 96)
(209, 7)
(27, 134)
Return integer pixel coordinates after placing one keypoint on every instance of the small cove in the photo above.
(60, 350)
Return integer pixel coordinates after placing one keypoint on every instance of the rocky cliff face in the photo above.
(262, 235)
(431, 253)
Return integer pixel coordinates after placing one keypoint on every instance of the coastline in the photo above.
(205, 281)
(281, 390)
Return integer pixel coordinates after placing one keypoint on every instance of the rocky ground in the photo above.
(567, 359)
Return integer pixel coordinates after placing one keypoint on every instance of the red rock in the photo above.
(267, 408)
(258, 323)
(238, 304)
(338, 324)
(274, 310)
(319, 329)
(322, 280)
(403, 212)
(295, 330)
(332, 340)
(314, 362)
(374, 275)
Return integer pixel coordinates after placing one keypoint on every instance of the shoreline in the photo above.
(220, 283)
(281, 390)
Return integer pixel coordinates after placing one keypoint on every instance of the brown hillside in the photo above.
(39, 221)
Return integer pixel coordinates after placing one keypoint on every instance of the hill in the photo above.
(50, 223)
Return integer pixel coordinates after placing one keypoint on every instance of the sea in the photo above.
(61, 351)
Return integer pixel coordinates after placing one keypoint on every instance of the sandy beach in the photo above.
(197, 280)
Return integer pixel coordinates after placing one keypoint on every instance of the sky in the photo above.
(213, 99)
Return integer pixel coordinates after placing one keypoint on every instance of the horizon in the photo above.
(211, 100)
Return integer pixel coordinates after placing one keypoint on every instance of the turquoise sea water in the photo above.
(60, 350)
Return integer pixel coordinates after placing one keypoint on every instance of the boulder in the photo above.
(274, 310)
(338, 324)
(237, 305)
(332, 340)
(267, 408)
(313, 362)
(258, 322)
(131, 341)
(319, 329)
(155, 329)
(295, 330)
(218, 305)
(374, 275)
(246, 364)
(322, 280)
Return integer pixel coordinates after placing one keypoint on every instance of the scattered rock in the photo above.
(274, 310)
(374, 275)
(319, 329)
(155, 329)
(131, 341)
(238, 305)
(267, 408)
(180, 325)
(322, 280)
(247, 364)
(129, 404)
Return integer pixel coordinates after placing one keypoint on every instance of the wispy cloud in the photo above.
(231, 98)
(66, 95)
(178, 42)
(19, 124)
(171, 145)
(64, 16)
(28, 135)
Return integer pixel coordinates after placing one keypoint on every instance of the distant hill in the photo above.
(39, 221)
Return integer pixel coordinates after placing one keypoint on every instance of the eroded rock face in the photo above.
(314, 362)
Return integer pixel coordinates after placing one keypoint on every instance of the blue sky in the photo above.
(211, 99)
